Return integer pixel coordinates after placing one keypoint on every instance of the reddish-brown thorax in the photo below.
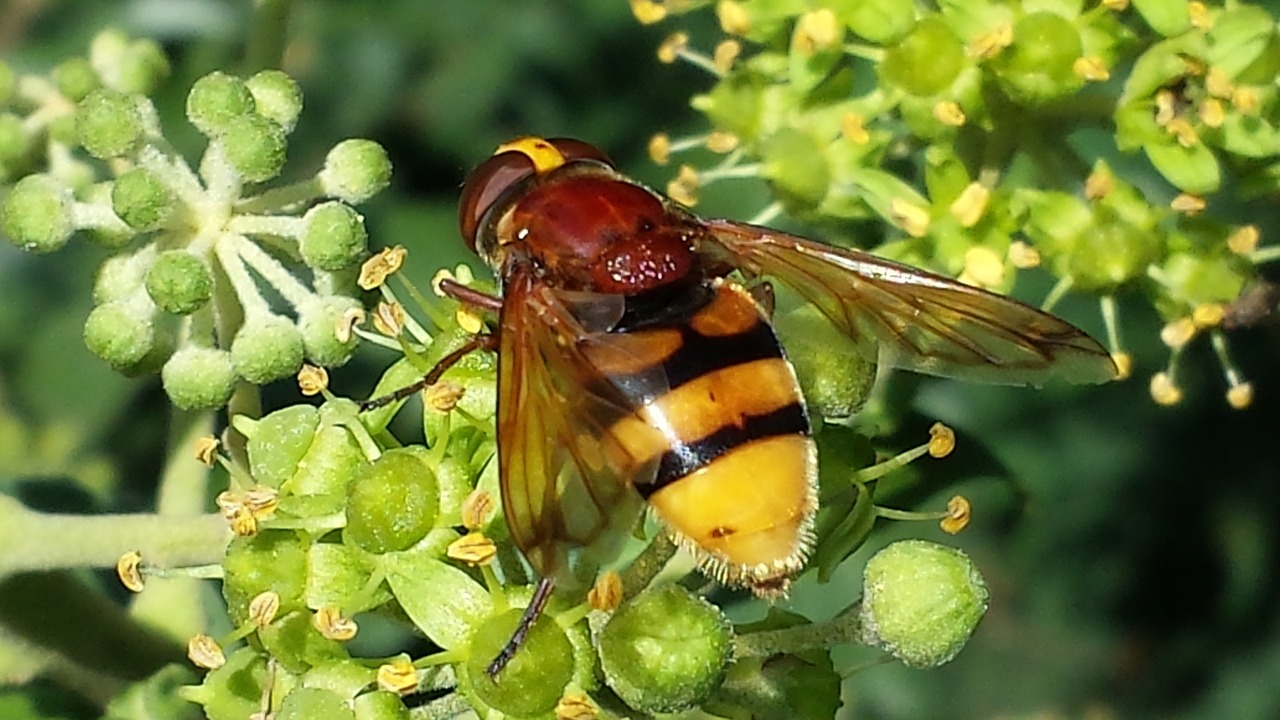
(598, 233)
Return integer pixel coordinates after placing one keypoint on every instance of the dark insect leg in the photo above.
(477, 342)
(764, 296)
(532, 612)
(468, 296)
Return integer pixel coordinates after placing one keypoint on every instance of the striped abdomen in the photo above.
(720, 413)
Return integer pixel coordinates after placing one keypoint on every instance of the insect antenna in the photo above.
(476, 342)
(532, 612)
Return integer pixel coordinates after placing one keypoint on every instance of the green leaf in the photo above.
(1190, 169)
(443, 601)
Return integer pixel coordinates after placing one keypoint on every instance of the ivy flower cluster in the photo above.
(214, 278)
(994, 136)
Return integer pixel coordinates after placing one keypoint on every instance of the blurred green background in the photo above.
(1131, 549)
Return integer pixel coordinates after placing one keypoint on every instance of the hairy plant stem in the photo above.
(842, 629)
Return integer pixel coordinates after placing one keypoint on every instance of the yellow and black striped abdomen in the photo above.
(719, 411)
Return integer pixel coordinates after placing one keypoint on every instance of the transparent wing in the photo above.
(916, 320)
(566, 481)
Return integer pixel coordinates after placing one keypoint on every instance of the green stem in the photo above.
(267, 36)
(842, 629)
(647, 565)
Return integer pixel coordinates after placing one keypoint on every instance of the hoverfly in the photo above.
(632, 369)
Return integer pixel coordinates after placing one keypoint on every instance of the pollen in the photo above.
(312, 380)
(606, 594)
(1211, 113)
(1240, 396)
(1022, 255)
(264, 607)
(854, 128)
(399, 677)
(443, 396)
(473, 549)
(670, 49)
(206, 449)
(725, 53)
(1188, 204)
(1183, 131)
(205, 652)
(721, 142)
(1244, 240)
(660, 148)
(984, 266)
(817, 30)
(1164, 391)
(576, 706)
(913, 218)
(648, 12)
(971, 204)
(958, 513)
(477, 509)
(388, 318)
(1178, 333)
(942, 440)
(375, 270)
(1208, 315)
(331, 624)
(949, 112)
(469, 320)
(129, 570)
(1246, 100)
(989, 44)
(1091, 68)
(733, 18)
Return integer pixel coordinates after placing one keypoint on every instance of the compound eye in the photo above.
(484, 185)
(578, 150)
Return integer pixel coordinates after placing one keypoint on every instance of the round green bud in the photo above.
(535, 679)
(108, 123)
(926, 61)
(75, 78)
(665, 650)
(120, 333)
(392, 504)
(180, 283)
(1111, 254)
(307, 703)
(355, 170)
(835, 379)
(319, 325)
(255, 146)
(119, 277)
(141, 199)
(921, 602)
(142, 67)
(380, 705)
(796, 167)
(273, 560)
(215, 100)
(37, 214)
(13, 139)
(267, 348)
(278, 442)
(107, 47)
(196, 378)
(334, 237)
(7, 82)
(330, 464)
(1040, 65)
(277, 97)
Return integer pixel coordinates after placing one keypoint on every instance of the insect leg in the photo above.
(487, 341)
(764, 296)
(532, 612)
(469, 296)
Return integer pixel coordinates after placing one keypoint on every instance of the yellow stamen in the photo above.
(473, 549)
(1178, 333)
(817, 30)
(660, 148)
(648, 12)
(576, 706)
(958, 513)
(312, 379)
(722, 142)
(1240, 396)
(670, 49)
(1188, 204)
(942, 440)
(853, 127)
(989, 44)
(606, 593)
(264, 607)
(206, 449)
(725, 53)
(331, 624)
(1124, 365)
(911, 217)
(733, 18)
(399, 677)
(1211, 113)
(374, 271)
(477, 509)
(1091, 68)
(1164, 391)
(1023, 256)
(205, 652)
(129, 570)
(1099, 184)
(1244, 240)
(344, 327)
(388, 318)
(949, 112)
(971, 204)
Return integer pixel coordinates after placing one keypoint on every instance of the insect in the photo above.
(632, 369)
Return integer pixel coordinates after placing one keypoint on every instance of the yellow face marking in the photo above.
(627, 354)
(544, 156)
(731, 312)
(748, 507)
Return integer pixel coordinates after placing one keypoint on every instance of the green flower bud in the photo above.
(307, 703)
(380, 705)
(392, 504)
(120, 333)
(142, 67)
(278, 442)
(665, 650)
(926, 61)
(277, 97)
(921, 602)
(796, 166)
(255, 146)
(535, 679)
(179, 282)
(331, 462)
(1040, 65)
(37, 214)
(215, 100)
(267, 348)
(1202, 279)
(141, 199)
(273, 560)
(834, 378)
(319, 323)
(334, 237)
(197, 378)
(233, 691)
(880, 21)
(108, 123)
(13, 139)
(355, 170)
(119, 277)
(75, 78)
(7, 82)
